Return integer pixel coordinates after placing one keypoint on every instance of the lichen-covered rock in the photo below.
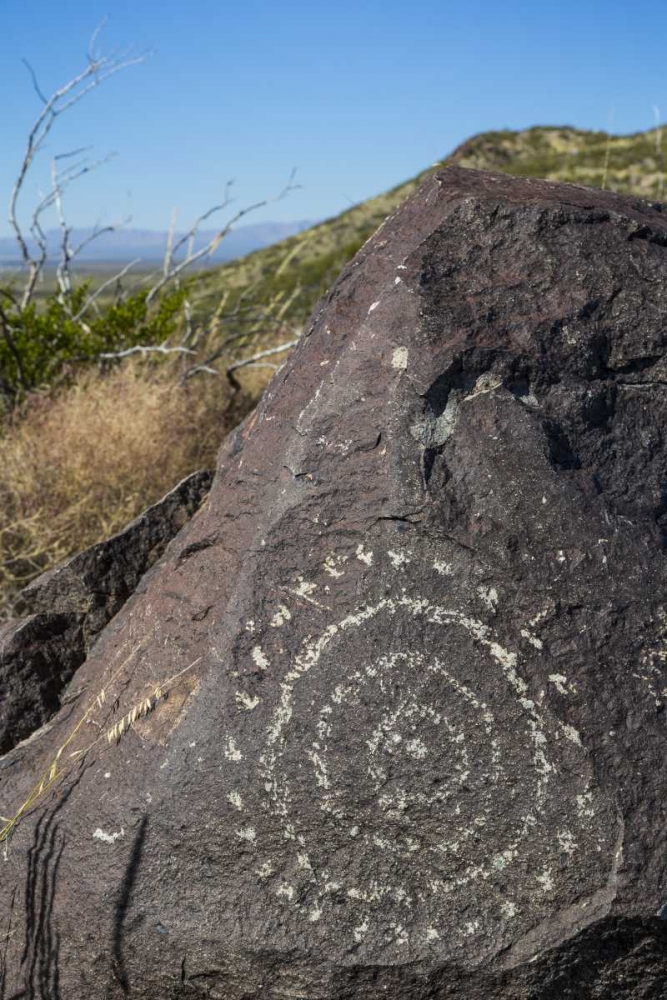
(406, 673)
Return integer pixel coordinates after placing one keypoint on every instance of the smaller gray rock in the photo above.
(97, 582)
(38, 656)
(63, 610)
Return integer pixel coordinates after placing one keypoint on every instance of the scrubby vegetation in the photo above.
(78, 464)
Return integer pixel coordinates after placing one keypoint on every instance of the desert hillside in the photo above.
(301, 268)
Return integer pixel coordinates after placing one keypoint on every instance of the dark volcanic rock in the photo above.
(68, 606)
(97, 582)
(38, 656)
(414, 651)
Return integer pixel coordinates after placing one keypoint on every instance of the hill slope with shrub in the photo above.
(298, 270)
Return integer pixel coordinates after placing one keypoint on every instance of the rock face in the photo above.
(66, 608)
(38, 656)
(97, 582)
(388, 717)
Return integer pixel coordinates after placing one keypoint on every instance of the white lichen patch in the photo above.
(545, 879)
(232, 752)
(432, 934)
(320, 769)
(417, 749)
(489, 596)
(361, 930)
(571, 734)
(247, 833)
(259, 658)
(304, 588)
(266, 870)
(108, 838)
(443, 568)
(532, 639)
(234, 798)
(567, 842)
(281, 617)
(332, 566)
(246, 701)
(559, 681)
(398, 559)
(286, 891)
(508, 909)
(363, 556)
(399, 358)
(585, 805)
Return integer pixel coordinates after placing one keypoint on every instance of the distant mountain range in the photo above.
(149, 245)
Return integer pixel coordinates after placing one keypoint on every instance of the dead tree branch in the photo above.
(189, 237)
(98, 69)
(143, 350)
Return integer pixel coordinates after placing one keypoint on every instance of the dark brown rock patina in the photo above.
(415, 651)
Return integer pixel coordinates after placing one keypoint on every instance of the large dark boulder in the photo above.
(387, 720)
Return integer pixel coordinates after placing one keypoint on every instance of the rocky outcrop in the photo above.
(65, 609)
(97, 582)
(387, 719)
(38, 656)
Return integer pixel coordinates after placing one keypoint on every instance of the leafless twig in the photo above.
(94, 296)
(97, 70)
(188, 238)
(244, 362)
(143, 350)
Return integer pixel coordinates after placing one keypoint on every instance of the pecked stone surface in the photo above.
(414, 651)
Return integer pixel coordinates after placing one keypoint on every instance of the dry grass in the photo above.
(63, 764)
(77, 467)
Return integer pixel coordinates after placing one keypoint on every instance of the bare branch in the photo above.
(191, 258)
(11, 346)
(143, 350)
(102, 288)
(92, 56)
(243, 363)
(97, 70)
(169, 250)
(35, 83)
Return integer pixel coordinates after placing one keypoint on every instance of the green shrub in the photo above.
(45, 343)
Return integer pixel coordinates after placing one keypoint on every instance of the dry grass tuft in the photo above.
(63, 763)
(76, 467)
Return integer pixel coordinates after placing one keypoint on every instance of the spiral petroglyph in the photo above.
(406, 732)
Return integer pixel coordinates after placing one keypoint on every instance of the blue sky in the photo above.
(357, 95)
